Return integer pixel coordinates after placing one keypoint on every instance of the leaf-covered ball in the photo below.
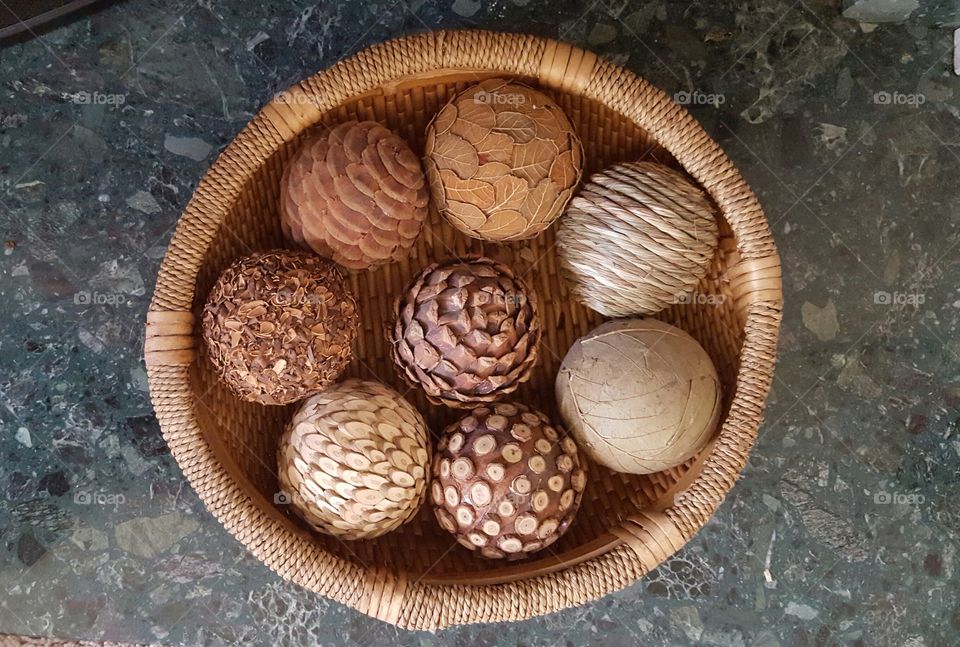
(355, 194)
(502, 160)
(279, 326)
(639, 395)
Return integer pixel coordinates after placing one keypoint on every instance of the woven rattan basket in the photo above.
(418, 576)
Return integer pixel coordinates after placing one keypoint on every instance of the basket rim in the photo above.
(645, 539)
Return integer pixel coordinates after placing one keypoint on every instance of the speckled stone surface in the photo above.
(844, 528)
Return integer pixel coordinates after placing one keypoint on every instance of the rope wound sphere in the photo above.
(635, 239)
(505, 481)
(353, 461)
(355, 194)
(502, 160)
(279, 326)
(639, 395)
(466, 331)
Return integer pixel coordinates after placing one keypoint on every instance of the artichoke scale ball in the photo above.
(639, 395)
(355, 194)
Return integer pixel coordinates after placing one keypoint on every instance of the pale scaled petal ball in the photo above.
(639, 395)
(355, 194)
(353, 462)
(506, 482)
(502, 160)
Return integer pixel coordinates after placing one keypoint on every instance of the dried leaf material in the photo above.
(466, 332)
(279, 326)
(356, 194)
(514, 139)
(353, 461)
(506, 482)
(637, 238)
(639, 395)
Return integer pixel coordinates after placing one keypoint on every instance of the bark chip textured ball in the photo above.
(279, 326)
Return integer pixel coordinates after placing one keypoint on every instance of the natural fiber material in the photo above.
(353, 462)
(639, 395)
(279, 326)
(355, 194)
(636, 239)
(506, 482)
(502, 160)
(417, 576)
(466, 332)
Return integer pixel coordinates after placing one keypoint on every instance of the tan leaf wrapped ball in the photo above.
(279, 326)
(506, 482)
(635, 239)
(639, 395)
(502, 160)
(466, 331)
(353, 462)
(355, 194)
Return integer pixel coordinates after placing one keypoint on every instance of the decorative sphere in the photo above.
(639, 395)
(355, 194)
(505, 481)
(635, 239)
(279, 326)
(466, 331)
(353, 462)
(502, 160)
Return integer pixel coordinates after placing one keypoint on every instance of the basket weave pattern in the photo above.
(417, 577)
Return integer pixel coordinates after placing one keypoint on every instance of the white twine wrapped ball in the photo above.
(635, 239)
(639, 395)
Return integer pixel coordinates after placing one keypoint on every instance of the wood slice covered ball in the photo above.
(353, 462)
(280, 325)
(355, 194)
(505, 481)
(635, 239)
(466, 331)
(639, 395)
(502, 160)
